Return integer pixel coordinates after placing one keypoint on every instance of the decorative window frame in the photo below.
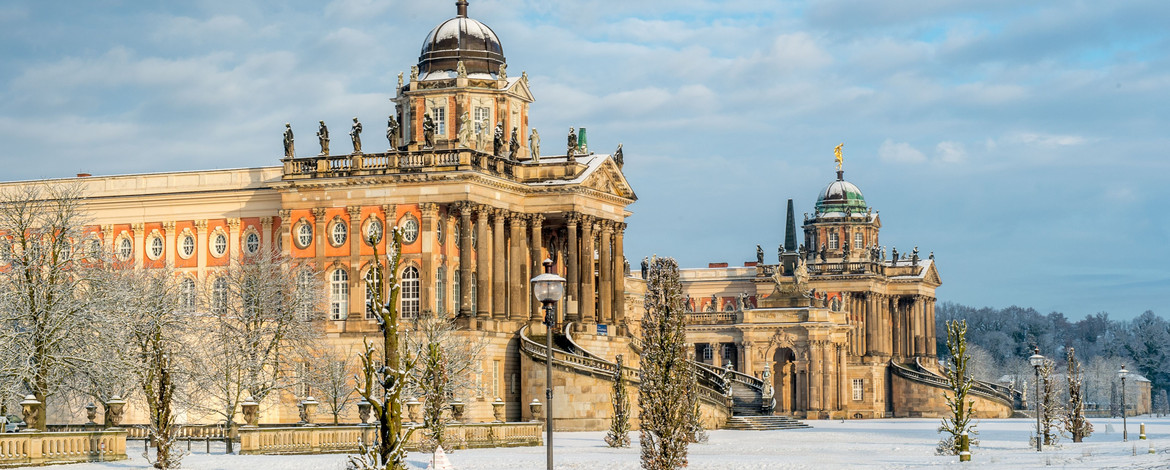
(149, 245)
(6, 253)
(179, 244)
(834, 239)
(441, 126)
(296, 234)
(403, 221)
(441, 230)
(124, 235)
(370, 222)
(93, 252)
(858, 389)
(858, 240)
(194, 294)
(333, 223)
(211, 243)
(343, 312)
(403, 299)
(251, 230)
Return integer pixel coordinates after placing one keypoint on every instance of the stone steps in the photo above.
(763, 423)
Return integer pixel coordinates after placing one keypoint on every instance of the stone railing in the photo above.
(712, 318)
(45, 448)
(978, 388)
(394, 162)
(347, 439)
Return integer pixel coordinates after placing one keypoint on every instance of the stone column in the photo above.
(843, 386)
(139, 240)
(483, 263)
(786, 379)
(516, 287)
(266, 233)
(919, 327)
(426, 236)
(465, 258)
(745, 357)
(170, 248)
(605, 268)
(233, 238)
(536, 258)
(201, 245)
(816, 375)
(588, 293)
(319, 237)
(499, 279)
(572, 274)
(871, 324)
(830, 373)
(357, 298)
(619, 278)
(286, 226)
(932, 336)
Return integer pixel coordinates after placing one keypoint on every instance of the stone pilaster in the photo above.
(169, 249)
(499, 276)
(572, 274)
(139, 239)
(619, 278)
(319, 236)
(537, 259)
(483, 263)
(266, 233)
(286, 227)
(357, 299)
(605, 268)
(426, 236)
(465, 259)
(233, 238)
(516, 283)
(201, 245)
(816, 358)
(588, 292)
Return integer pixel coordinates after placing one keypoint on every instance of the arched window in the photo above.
(834, 242)
(409, 300)
(474, 291)
(187, 295)
(373, 288)
(305, 294)
(456, 292)
(339, 294)
(729, 307)
(441, 290)
(219, 296)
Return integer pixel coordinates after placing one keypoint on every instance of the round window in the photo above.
(219, 244)
(373, 230)
(252, 242)
(125, 249)
(337, 233)
(188, 246)
(304, 235)
(156, 247)
(410, 230)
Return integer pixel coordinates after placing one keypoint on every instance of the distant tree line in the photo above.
(1001, 340)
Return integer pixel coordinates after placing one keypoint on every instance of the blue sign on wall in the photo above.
(602, 330)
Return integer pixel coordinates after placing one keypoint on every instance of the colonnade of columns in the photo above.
(892, 325)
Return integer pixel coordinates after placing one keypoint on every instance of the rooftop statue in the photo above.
(392, 129)
(481, 135)
(534, 145)
(572, 143)
(780, 253)
(400, 80)
(428, 130)
(460, 70)
(323, 137)
(465, 130)
(759, 255)
(413, 73)
(514, 144)
(645, 268)
(498, 139)
(503, 71)
(288, 140)
(618, 157)
(837, 154)
(355, 134)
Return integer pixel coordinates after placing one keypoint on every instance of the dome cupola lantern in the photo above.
(461, 39)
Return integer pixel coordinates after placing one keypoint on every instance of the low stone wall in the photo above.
(919, 400)
(48, 448)
(349, 439)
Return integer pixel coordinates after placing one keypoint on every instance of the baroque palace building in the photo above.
(831, 329)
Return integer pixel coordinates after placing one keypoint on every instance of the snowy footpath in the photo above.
(883, 443)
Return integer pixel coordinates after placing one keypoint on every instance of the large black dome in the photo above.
(461, 39)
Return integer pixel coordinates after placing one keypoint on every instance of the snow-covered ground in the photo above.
(885, 443)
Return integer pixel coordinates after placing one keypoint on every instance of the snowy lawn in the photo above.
(884, 443)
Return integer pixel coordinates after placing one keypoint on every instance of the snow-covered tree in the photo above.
(1074, 421)
(619, 424)
(330, 377)
(250, 330)
(665, 410)
(1050, 409)
(1161, 404)
(47, 297)
(436, 394)
(383, 378)
(958, 385)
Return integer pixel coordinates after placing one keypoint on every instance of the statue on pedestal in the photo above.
(428, 130)
(514, 144)
(498, 139)
(618, 157)
(465, 129)
(645, 268)
(572, 143)
(481, 135)
(355, 134)
(288, 140)
(413, 73)
(503, 71)
(460, 70)
(759, 255)
(323, 138)
(400, 80)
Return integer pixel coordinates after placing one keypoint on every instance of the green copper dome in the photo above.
(839, 196)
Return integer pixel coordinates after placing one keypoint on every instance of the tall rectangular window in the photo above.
(858, 241)
(858, 389)
(474, 291)
(439, 115)
(457, 295)
(410, 298)
(496, 378)
(481, 118)
(834, 242)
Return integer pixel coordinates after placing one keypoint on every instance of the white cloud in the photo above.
(899, 152)
(1048, 140)
(951, 152)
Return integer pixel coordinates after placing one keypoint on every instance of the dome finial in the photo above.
(461, 8)
(837, 156)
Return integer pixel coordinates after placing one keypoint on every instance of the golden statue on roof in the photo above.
(837, 154)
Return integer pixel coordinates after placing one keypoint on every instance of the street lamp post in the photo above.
(1037, 360)
(1124, 431)
(548, 289)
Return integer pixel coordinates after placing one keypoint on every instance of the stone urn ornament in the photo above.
(364, 408)
(251, 411)
(498, 409)
(536, 407)
(115, 406)
(308, 410)
(412, 408)
(30, 408)
(91, 413)
(457, 408)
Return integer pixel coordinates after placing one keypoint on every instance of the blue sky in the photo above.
(1024, 143)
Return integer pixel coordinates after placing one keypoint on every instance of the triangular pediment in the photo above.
(608, 178)
(931, 276)
(519, 89)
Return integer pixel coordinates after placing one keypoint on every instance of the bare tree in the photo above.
(665, 371)
(330, 373)
(447, 365)
(619, 427)
(959, 385)
(46, 296)
(1050, 409)
(1074, 421)
(249, 330)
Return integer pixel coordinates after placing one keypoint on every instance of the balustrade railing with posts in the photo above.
(339, 439)
(43, 448)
